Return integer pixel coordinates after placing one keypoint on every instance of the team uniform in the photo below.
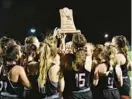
(110, 90)
(9, 89)
(106, 88)
(34, 92)
(77, 84)
(95, 89)
(125, 89)
(50, 89)
(32, 71)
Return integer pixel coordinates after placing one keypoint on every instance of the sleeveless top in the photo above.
(76, 80)
(125, 89)
(12, 88)
(51, 87)
(109, 80)
(124, 68)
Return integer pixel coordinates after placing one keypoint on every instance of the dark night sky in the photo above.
(93, 18)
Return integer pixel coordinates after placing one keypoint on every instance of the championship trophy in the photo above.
(67, 28)
(67, 22)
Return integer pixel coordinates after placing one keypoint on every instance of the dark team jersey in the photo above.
(124, 70)
(51, 87)
(125, 89)
(7, 86)
(106, 86)
(76, 80)
(108, 81)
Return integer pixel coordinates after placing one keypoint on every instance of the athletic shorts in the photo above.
(57, 96)
(110, 94)
(80, 95)
(125, 89)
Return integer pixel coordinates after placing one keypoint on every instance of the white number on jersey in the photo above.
(80, 79)
(3, 85)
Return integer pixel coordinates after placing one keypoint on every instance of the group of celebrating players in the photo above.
(59, 69)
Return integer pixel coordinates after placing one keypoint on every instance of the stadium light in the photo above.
(106, 35)
(33, 30)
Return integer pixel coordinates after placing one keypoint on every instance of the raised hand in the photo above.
(56, 32)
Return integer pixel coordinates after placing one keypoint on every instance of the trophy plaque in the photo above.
(67, 22)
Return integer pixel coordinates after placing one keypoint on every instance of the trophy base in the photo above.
(69, 31)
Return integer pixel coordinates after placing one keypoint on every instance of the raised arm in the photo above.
(88, 63)
(96, 77)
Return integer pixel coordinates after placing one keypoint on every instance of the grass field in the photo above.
(130, 73)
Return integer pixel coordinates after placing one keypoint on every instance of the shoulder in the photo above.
(101, 68)
(17, 68)
(88, 63)
(120, 55)
(120, 59)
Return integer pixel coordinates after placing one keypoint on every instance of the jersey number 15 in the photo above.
(80, 79)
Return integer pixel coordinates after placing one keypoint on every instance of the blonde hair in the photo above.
(122, 44)
(98, 54)
(110, 55)
(48, 51)
(79, 59)
(32, 40)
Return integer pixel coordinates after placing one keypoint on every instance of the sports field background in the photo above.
(130, 72)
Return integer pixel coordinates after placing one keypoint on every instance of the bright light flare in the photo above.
(106, 35)
(33, 30)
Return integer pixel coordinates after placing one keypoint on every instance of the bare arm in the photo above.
(99, 71)
(62, 39)
(23, 77)
(96, 77)
(119, 74)
(88, 63)
(120, 60)
(1, 69)
(61, 84)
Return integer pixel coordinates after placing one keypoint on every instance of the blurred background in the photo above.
(98, 20)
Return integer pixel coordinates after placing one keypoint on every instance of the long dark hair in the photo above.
(11, 53)
(98, 54)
